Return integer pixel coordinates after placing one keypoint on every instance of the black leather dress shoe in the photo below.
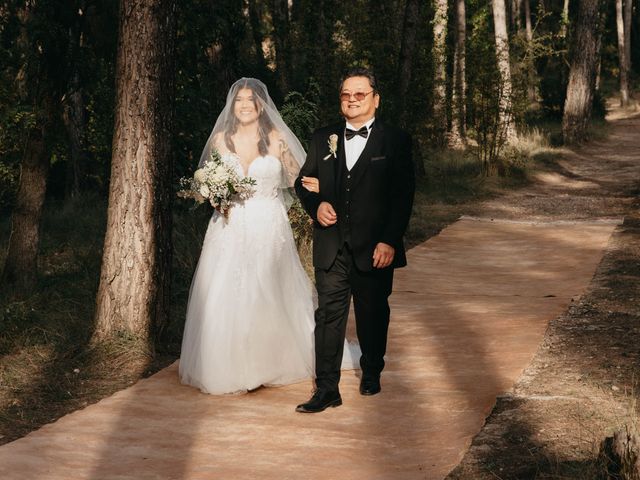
(370, 385)
(321, 400)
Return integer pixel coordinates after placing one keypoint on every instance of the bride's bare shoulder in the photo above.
(218, 138)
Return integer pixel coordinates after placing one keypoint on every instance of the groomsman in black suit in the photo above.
(360, 213)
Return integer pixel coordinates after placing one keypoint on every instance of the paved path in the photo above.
(467, 316)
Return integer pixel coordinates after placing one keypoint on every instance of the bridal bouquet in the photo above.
(217, 183)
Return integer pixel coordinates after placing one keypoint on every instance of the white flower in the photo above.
(333, 146)
(200, 175)
(218, 177)
(204, 191)
(333, 143)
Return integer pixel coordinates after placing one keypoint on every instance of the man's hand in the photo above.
(383, 255)
(326, 214)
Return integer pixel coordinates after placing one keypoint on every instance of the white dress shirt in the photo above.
(354, 147)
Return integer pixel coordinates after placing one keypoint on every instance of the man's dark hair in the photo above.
(360, 72)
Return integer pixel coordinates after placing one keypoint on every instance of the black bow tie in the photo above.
(363, 132)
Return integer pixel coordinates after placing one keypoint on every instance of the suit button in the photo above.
(348, 176)
(348, 190)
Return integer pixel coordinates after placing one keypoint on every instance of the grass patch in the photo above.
(454, 181)
(47, 368)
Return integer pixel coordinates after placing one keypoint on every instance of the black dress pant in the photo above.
(370, 291)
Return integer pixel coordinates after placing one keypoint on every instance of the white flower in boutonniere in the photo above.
(333, 146)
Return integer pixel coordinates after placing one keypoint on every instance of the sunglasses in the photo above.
(359, 96)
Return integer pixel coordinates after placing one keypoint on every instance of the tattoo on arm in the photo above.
(291, 167)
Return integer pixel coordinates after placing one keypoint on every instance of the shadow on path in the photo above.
(467, 316)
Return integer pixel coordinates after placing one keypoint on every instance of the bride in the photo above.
(250, 316)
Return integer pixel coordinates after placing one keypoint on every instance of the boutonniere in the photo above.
(333, 146)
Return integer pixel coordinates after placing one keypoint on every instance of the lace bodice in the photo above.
(265, 170)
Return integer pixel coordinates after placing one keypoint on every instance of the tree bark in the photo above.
(74, 112)
(407, 48)
(133, 295)
(619, 454)
(20, 269)
(622, 56)
(504, 67)
(527, 19)
(34, 82)
(565, 18)
(440, 69)
(516, 13)
(531, 74)
(582, 74)
(628, 13)
(457, 137)
(75, 120)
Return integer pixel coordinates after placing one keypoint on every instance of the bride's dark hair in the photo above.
(264, 124)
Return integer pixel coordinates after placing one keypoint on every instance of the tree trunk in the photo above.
(406, 51)
(527, 19)
(531, 74)
(504, 67)
(565, 18)
(628, 13)
(582, 73)
(20, 269)
(457, 137)
(516, 13)
(33, 81)
(440, 69)
(75, 120)
(280, 18)
(74, 114)
(619, 455)
(598, 72)
(622, 56)
(133, 295)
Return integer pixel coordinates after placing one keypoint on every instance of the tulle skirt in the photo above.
(251, 304)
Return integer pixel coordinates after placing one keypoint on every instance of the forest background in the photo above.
(478, 83)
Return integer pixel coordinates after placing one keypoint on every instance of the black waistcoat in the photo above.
(344, 192)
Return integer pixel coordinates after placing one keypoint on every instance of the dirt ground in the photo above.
(583, 381)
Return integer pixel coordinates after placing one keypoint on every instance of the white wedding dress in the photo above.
(251, 305)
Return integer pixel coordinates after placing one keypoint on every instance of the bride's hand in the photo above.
(311, 183)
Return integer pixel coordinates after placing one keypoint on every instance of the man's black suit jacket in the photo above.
(382, 190)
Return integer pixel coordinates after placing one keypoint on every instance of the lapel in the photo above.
(341, 163)
(374, 146)
(332, 165)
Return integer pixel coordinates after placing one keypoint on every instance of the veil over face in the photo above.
(271, 127)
